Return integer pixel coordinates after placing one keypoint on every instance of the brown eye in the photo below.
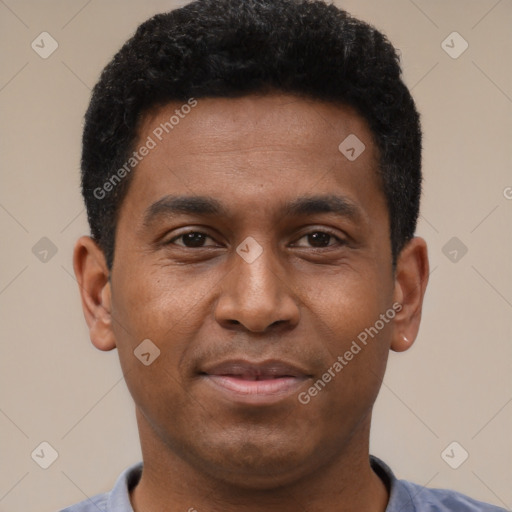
(320, 239)
(191, 239)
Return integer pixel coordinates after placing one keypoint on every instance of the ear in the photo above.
(92, 274)
(411, 278)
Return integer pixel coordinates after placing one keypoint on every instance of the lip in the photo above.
(257, 383)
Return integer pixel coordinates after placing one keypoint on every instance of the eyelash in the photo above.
(339, 241)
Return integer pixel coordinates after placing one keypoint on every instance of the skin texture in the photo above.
(303, 300)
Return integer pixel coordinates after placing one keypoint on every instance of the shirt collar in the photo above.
(399, 497)
(119, 499)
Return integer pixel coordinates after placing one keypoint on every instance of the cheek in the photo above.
(346, 301)
(351, 319)
(155, 320)
(157, 302)
(154, 324)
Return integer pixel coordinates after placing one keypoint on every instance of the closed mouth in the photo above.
(255, 382)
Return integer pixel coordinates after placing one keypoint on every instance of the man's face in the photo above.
(222, 317)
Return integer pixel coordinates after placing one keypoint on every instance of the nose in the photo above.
(257, 295)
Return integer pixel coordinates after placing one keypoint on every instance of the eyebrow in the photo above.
(170, 206)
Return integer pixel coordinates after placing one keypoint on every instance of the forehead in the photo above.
(249, 150)
(251, 122)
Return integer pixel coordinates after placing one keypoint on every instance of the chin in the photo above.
(254, 463)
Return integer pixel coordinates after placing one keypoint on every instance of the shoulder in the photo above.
(96, 504)
(405, 496)
(440, 500)
(117, 500)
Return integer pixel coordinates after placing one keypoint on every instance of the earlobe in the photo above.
(401, 343)
(411, 280)
(92, 275)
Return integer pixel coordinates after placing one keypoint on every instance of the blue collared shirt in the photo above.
(404, 496)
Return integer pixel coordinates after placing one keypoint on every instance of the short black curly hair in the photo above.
(231, 48)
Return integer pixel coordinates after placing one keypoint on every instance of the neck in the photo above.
(345, 483)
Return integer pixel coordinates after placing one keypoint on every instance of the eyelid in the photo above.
(197, 231)
(339, 240)
(310, 231)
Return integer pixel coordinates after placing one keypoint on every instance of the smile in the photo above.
(255, 383)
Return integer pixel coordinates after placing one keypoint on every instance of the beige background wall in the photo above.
(455, 384)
